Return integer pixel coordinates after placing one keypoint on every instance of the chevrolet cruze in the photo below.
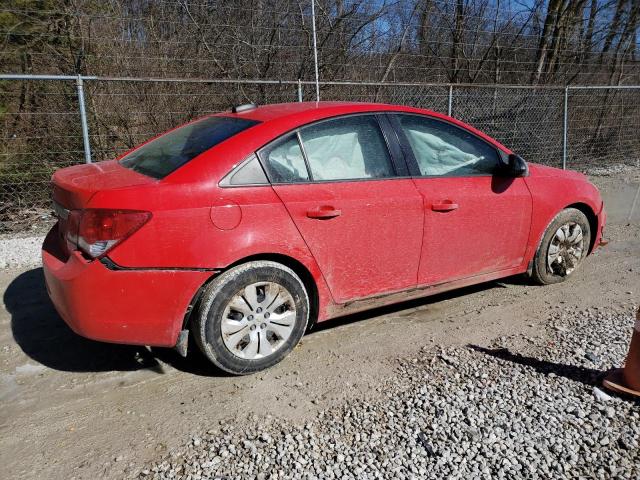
(244, 228)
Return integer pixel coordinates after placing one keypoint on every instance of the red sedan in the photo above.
(245, 228)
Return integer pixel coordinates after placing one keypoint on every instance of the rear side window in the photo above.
(285, 161)
(347, 148)
(249, 173)
(169, 152)
(442, 149)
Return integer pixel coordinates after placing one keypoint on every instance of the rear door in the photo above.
(343, 189)
(476, 221)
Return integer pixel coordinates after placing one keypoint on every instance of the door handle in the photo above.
(324, 212)
(444, 206)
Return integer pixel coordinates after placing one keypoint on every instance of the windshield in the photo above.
(167, 153)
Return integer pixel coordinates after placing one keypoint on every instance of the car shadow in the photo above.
(45, 337)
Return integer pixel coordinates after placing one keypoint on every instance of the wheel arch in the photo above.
(297, 266)
(591, 217)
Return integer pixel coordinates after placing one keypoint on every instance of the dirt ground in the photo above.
(73, 408)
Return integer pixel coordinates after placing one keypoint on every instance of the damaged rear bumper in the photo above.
(144, 307)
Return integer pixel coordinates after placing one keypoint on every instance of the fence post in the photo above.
(450, 108)
(83, 120)
(565, 127)
(299, 90)
(315, 48)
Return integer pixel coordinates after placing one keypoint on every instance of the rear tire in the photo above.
(251, 316)
(564, 245)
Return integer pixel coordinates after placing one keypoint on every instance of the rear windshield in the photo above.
(161, 156)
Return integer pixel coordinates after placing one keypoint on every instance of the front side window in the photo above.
(167, 153)
(347, 148)
(442, 149)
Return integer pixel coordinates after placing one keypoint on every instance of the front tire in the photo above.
(563, 247)
(251, 316)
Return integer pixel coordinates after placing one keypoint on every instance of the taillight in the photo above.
(95, 231)
(71, 226)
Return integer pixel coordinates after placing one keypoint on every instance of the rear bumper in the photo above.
(143, 307)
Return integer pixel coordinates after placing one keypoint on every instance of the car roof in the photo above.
(295, 114)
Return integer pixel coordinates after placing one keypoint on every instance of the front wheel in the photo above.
(251, 317)
(563, 247)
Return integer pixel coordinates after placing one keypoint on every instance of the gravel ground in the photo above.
(20, 252)
(524, 407)
(628, 172)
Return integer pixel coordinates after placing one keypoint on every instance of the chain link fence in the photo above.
(122, 113)
(603, 127)
(583, 128)
(527, 120)
(41, 134)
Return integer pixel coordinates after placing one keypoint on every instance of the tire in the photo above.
(570, 256)
(249, 311)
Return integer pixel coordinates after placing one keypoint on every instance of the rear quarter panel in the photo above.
(184, 231)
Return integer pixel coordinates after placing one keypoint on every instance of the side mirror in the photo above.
(517, 167)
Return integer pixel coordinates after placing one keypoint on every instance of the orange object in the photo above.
(627, 380)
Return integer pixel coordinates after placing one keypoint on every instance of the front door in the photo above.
(363, 225)
(476, 222)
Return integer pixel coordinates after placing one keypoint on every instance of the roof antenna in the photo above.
(243, 108)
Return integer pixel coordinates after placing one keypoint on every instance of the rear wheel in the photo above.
(563, 247)
(251, 317)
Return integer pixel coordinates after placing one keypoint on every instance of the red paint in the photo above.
(486, 232)
(136, 307)
(373, 246)
(551, 191)
(363, 242)
(73, 187)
